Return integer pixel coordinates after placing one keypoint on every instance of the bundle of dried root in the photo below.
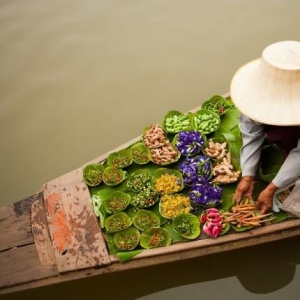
(164, 154)
(215, 149)
(154, 137)
(246, 215)
(162, 151)
(224, 171)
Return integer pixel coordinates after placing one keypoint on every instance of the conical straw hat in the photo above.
(267, 90)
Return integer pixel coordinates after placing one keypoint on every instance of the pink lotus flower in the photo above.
(213, 222)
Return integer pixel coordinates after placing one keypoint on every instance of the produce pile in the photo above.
(176, 183)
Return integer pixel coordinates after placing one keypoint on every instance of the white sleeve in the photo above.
(289, 172)
(253, 135)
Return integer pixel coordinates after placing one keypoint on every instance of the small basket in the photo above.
(120, 159)
(140, 153)
(205, 121)
(175, 121)
(162, 175)
(93, 174)
(113, 176)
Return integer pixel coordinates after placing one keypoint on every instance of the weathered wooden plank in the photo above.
(41, 234)
(254, 234)
(161, 259)
(75, 233)
(15, 226)
(22, 265)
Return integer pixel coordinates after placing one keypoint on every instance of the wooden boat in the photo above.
(33, 253)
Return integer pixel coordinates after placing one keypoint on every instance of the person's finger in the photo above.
(263, 210)
(237, 196)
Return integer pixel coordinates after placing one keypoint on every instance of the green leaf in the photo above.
(116, 201)
(241, 229)
(145, 219)
(126, 256)
(93, 174)
(175, 237)
(117, 222)
(155, 209)
(280, 216)
(155, 237)
(227, 196)
(187, 225)
(140, 153)
(113, 176)
(123, 256)
(111, 245)
(226, 228)
(229, 122)
(120, 159)
(128, 239)
(99, 210)
(229, 130)
(217, 104)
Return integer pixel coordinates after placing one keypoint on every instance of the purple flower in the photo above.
(195, 169)
(189, 142)
(189, 173)
(206, 194)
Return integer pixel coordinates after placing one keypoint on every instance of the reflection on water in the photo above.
(79, 78)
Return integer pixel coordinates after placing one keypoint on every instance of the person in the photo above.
(267, 93)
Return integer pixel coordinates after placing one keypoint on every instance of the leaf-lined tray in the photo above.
(228, 131)
(68, 198)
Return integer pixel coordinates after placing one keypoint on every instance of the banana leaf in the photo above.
(280, 216)
(227, 196)
(128, 239)
(155, 209)
(230, 131)
(155, 237)
(187, 225)
(126, 256)
(117, 222)
(217, 104)
(123, 256)
(98, 199)
(226, 228)
(229, 122)
(93, 174)
(145, 219)
(175, 237)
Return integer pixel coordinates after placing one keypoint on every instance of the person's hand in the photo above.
(244, 189)
(264, 201)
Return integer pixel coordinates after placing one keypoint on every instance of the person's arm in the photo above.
(287, 175)
(253, 135)
(290, 169)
